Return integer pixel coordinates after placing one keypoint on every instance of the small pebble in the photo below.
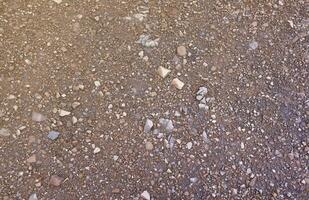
(149, 146)
(145, 195)
(33, 197)
(57, 1)
(163, 72)
(96, 150)
(181, 51)
(177, 83)
(63, 113)
(31, 159)
(53, 135)
(97, 83)
(148, 125)
(4, 132)
(253, 45)
(189, 145)
(55, 180)
(38, 117)
(75, 104)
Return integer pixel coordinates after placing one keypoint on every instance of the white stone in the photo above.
(163, 72)
(63, 113)
(177, 83)
(96, 150)
(145, 195)
(189, 145)
(58, 1)
(38, 117)
(97, 83)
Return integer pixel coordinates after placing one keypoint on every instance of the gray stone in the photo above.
(38, 117)
(147, 42)
(148, 125)
(166, 124)
(53, 135)
(253, 45)
(33, 197)
(4, 132)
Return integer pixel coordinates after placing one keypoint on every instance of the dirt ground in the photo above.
(85, 114)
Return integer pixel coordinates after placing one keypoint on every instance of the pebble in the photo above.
(55, 180)
(33, 196)
(4, 132)
(74, 120)
(58, 1)
(97, 83)
(75, 104)
(148, 125)
(205, 137)
(163, 72)
(147, 42)
(96, 150)
(181, 51)
(189, 145)
(149, 146)
(253, 45)
(167, 124)
(145, 195)
(38, 117)
(31, 159)
(177, 83)
(63, 113)
(53, 135)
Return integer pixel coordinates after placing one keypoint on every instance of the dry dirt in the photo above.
(78, 81)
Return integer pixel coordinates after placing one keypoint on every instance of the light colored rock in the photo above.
(189, 145)
(63, 113)
(253, 45)
(148, 125)
(96, 150)
(146, 195)
(53, 135)
(149, 146)
(75, 104)
(163, 72)
(147, 42)
(31, 159)
(97, 83)
(33, 197)
(74, 120)
(4, 132)
(55, 180)
(58, 1)
(166, 124)
(181, 51)
(177, 83)
(38, 117)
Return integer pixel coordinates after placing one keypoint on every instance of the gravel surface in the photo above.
(146, 99)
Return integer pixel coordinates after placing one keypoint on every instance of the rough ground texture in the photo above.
(78, 80)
